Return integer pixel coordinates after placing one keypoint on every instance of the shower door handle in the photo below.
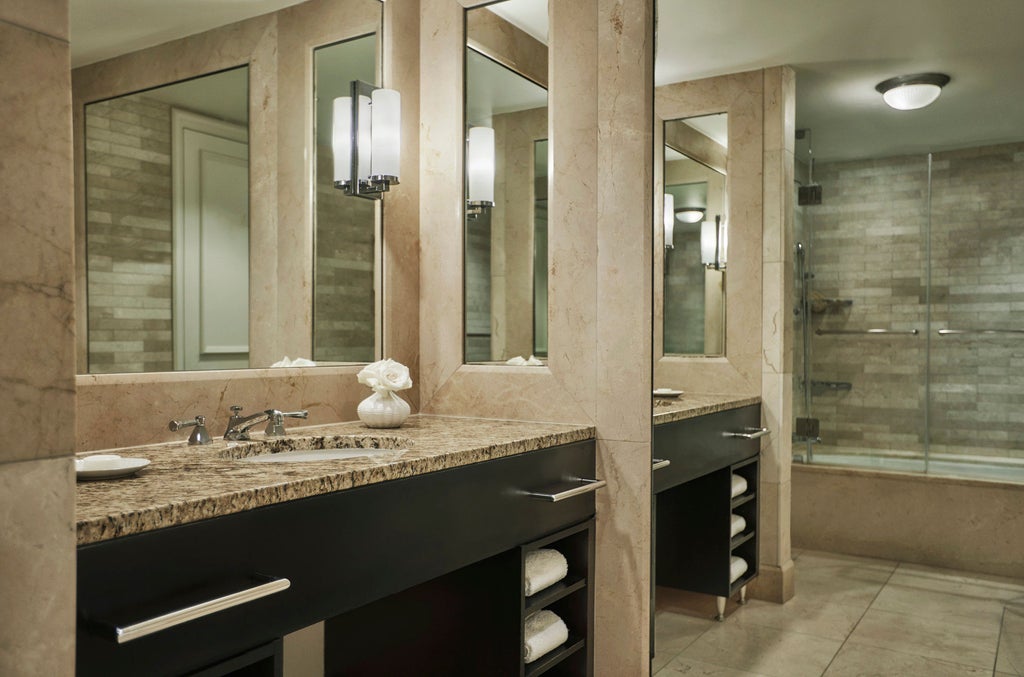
(748, 433)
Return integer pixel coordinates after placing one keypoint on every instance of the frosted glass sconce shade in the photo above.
(670, 210)
(366, 140)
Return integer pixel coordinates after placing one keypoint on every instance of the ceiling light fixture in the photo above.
(910, 92)
(690, 214)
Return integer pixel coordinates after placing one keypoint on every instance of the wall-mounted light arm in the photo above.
(479, 171)
(366, 139)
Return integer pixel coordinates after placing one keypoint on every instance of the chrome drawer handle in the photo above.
(749, 433)
(191, 613)
(585, 487)
(660, 463)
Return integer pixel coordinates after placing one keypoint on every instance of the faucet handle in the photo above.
(275, 423)
(199, 436)
(236, 410)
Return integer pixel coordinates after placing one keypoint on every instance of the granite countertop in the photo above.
(186, 484)
(691, 405)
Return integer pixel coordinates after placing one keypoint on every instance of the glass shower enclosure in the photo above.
(909, 312)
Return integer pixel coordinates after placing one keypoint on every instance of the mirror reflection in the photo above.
(696, 151)
(506, 187)
(345, 290)
(167, 229)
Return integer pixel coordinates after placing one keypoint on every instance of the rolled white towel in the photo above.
(544, 631)
(739, 485)
(544, 567)
(737, 526)
(737, 567)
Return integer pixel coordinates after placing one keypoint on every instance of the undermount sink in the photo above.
(318, 448)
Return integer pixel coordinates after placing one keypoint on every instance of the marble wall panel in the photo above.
(117, 410)
(37, 390)
(36, 276)
(37, 558)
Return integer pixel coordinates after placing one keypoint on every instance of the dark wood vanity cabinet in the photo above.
(693, 503)
(422, 574)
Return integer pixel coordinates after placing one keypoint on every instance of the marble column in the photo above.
(625, 112)
(775, 582)
(37, 364)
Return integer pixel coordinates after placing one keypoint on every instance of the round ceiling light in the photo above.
(690, 214)
(909, 92)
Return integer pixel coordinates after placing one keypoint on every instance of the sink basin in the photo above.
(318, 448)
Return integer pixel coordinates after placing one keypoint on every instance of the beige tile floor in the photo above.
(851, 617)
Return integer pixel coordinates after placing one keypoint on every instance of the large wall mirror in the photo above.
(696, 235)
(211, 234)
(167, 227)
(507, 177)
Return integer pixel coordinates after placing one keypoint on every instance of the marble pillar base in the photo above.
(774, 583)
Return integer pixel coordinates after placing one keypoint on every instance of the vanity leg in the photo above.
(721, 609)
(743, 595)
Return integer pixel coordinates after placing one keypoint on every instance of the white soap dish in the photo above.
(107, 466)
(667, 392)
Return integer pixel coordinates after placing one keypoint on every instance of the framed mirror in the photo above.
(506, 119)
(167, 227)
(346, 287)
(695, 236)
(297, 275)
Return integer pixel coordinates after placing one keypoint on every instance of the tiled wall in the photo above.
(344, 297)
(869, 240)
(128, 226)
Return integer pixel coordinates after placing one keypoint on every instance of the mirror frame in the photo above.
(278, 49)
(741, 97)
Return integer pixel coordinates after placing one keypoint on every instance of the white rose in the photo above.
(385, 376)
(394, 375)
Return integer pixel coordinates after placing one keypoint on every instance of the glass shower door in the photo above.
(977, 339)
(867, 247)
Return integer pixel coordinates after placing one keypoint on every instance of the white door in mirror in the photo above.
(107, 466)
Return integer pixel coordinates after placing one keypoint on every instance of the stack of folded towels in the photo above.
(739, 485)
(544, 568)
(544, 630)
(737, 567)
(737, 525)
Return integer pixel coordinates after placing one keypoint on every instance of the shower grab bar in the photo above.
(828, 332)
(951, 332)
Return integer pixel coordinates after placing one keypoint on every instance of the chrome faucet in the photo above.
(238, 425)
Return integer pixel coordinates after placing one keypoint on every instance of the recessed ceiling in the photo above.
(841, 50)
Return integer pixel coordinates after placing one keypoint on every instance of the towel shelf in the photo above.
(555, 657)
(571, 599)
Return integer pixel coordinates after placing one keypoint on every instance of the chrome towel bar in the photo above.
(952, 332)
(829, 332)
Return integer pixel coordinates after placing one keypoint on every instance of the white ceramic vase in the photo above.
(383, 410)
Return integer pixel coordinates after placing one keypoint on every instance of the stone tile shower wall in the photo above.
(344, 298)
(128, 172)
(869, 240)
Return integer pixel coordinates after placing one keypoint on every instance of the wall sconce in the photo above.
(714, 243)
(366, 138)
(670, 204)
(479, 171)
